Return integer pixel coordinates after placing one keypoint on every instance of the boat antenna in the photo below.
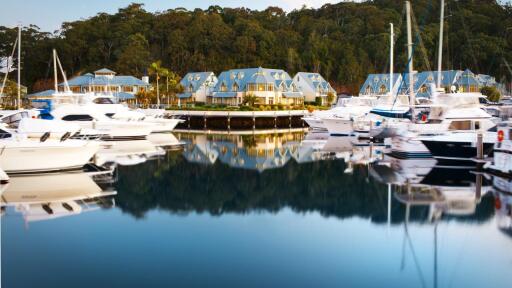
(440, 51)
(19, 66)
(391, 44)
(55, 75)
(409, 55)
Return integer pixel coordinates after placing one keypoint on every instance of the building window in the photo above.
(383, 89)
(223, 87)
(127, 89)
(368, 90)
(190, 88)
(235, 87)
(423, 89)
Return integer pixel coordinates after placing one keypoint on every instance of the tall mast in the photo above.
(55, 79)
(391, 44)
(440, 51)
(409, 55)
(19, 66)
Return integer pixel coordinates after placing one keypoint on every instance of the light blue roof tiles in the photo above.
(242, 77)
(46, 93)
(193, 81)
(104, 71)
(91, 80)
(378, 82)
(467, 79)
(315, 80)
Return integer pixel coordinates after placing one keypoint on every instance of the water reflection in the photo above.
(300, 209)
(242, 173)
(50, 196)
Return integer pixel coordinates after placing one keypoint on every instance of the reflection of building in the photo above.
(314, 87)
(451, 80)
(196, 86)
(268, 86)
(255, 152)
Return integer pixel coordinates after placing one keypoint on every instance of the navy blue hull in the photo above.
(455, 153)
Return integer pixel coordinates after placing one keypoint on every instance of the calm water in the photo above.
(269, 210)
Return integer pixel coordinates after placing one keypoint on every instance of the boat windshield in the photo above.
(399, 100)
(13, 120)
(355, 101)
(458, 100)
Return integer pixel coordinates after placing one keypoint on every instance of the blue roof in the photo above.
(468, 78)
(259, 75)
(105, 71)
(45, 93)
(376, 81)
(89, 79)
(196, 79)
(224, 94)
(315, 80)
(185, 95)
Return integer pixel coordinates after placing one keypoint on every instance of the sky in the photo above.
(50, 14)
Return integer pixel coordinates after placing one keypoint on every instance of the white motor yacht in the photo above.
(450, 113)
(341, 122)
(88, 118)
(19, 154)
(502, 160)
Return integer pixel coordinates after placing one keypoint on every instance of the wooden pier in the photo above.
(239, 120)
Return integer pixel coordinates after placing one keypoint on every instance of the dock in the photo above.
(239, 120)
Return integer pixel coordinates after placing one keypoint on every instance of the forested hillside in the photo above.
(344, 41)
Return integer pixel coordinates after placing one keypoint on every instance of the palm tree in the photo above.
(156, 69)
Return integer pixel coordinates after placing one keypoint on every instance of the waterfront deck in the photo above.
(241, 120)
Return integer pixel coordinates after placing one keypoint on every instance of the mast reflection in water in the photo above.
(266, 210)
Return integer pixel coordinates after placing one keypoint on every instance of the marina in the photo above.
(180, 160)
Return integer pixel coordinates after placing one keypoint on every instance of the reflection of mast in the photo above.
(435, 255)
(409, 241)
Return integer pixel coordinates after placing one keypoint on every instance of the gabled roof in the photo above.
(467, 78)
(196, 79)
(104, 71)
(375, 82)
(315, 80)
(45, 93)
(259, 75)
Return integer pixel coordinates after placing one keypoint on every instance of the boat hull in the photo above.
(339, 126)
(32, 158)
(456, 153)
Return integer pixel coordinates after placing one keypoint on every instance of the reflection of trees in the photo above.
(177, 186)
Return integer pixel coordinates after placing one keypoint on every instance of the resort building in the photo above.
(313, 86)
(106, 81)
(196, 87)
(379, 84)
(269, 86)
(451, 81)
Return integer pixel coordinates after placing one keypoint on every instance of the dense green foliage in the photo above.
(492, 93)
(344, 41)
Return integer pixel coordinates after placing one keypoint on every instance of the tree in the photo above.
(157, 70)
(330, 97)
(492, 93)
(249, 99)
(135, 57)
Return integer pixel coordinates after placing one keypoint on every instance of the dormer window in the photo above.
(240, 75)
(198, 77)
(223, 87)
(235, 87)
(376, 79)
